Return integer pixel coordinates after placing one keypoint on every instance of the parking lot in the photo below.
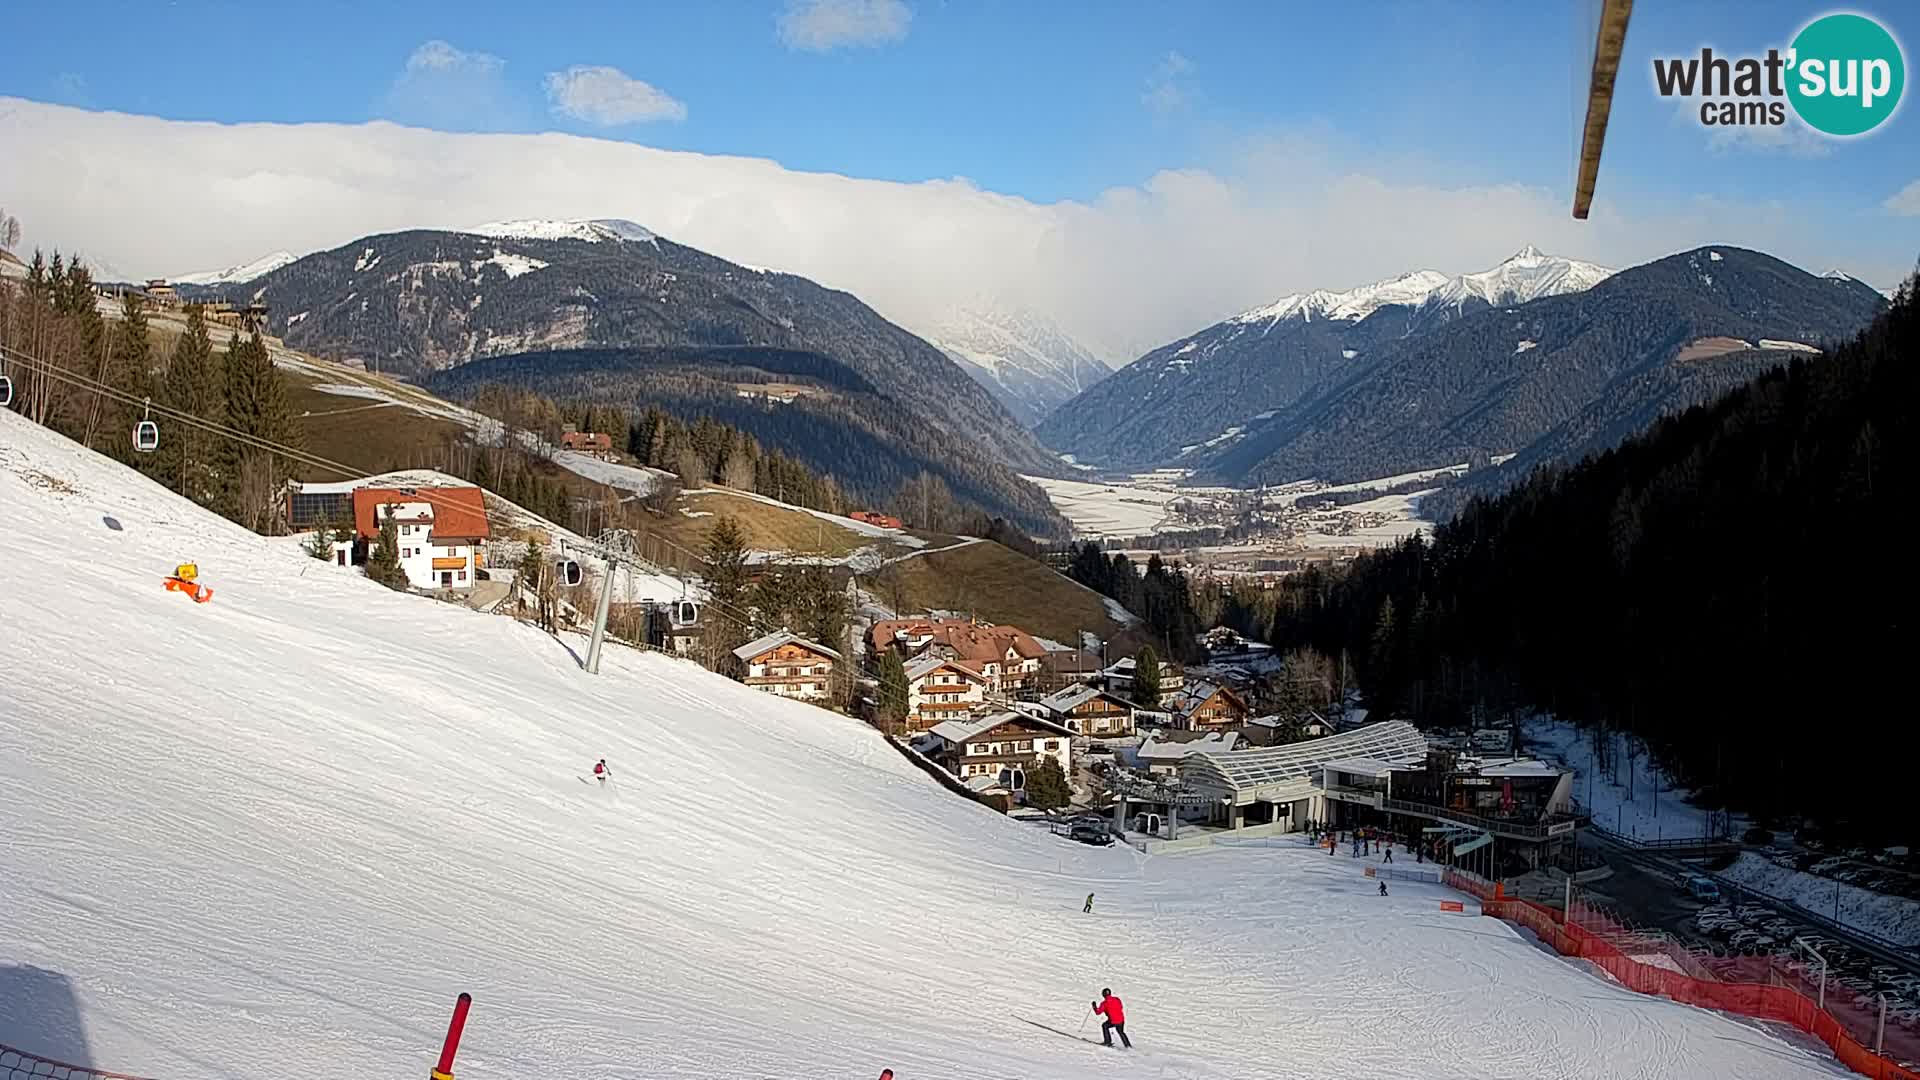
(1647, 893)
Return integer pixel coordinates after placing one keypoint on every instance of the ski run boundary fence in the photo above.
(1758, 987)
(20, 1065)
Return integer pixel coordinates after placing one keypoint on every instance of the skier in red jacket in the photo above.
(601, 772)
(1116, 1019)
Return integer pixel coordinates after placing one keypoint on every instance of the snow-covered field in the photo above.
(1639, 802)
(630, 478)
(1118, 510)
(1404, 521)
(1895, 918)
(275, 834)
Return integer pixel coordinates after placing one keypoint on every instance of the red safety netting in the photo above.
(1759, 987)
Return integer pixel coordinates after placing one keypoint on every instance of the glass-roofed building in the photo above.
(1281, 785)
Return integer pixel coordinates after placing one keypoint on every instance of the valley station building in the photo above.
(1382, 775)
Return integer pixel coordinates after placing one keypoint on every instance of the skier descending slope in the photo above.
(601, 772)
(1116, 1019)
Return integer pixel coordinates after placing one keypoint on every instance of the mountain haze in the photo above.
(1024, 359)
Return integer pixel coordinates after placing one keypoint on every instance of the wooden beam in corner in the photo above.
(1612, 39)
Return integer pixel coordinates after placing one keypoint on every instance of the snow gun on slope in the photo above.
(185, 580)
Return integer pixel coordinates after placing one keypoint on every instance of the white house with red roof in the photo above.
(441, 531)
(939, 689)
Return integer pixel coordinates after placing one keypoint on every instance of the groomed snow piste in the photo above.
(276, 834)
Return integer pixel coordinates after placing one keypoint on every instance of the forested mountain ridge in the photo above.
(805, 405)
(1559, 376)
(420, 301)
(1699, 586)
(1183, 401)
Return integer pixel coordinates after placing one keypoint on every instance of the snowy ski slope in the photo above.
(275, 834)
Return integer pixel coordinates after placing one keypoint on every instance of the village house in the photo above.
(1089, 710)
(786, 664)
(1162, 754)
(939, 689)
(1000, 747)
(441, 531)
(1280, 730)
(1007, 656)
(1204, 706)
(1062, 668)
(596, 443)
(1119, 678)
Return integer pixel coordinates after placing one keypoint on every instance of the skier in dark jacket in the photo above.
(1383, 888)
(1116, 1019)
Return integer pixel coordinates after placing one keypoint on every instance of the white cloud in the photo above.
(1133, 268)
(820, 25)
(1167, 90)
(443, 86)
(609, 96)
(1906, 201)
(1792, 138)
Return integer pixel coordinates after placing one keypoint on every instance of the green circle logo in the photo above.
(1847, 74)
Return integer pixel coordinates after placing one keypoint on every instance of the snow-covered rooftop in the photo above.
(775, 640)
(1216, 742)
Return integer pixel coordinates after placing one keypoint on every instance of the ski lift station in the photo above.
(1381, 775)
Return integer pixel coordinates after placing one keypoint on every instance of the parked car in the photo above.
(1088, 832)
(1702, 889)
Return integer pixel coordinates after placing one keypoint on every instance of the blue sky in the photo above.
(1132, 170)
(1047, 101)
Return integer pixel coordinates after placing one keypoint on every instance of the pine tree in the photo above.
(821, 607)
(893, 688)
(251, 478)
(727, 563)
(191, 385)
(320, 544)
(1047, 787)
(1146, 677)
(383, 562)
(130, 371)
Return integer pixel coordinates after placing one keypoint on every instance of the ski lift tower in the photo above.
(616, 546)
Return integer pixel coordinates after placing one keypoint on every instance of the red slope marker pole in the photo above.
(444, 1070)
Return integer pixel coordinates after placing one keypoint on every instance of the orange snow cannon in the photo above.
(184, 581)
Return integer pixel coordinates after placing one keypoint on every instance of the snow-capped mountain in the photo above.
(593, 231)
(1191, 395)
(265, 264)
(1022, 357)
(1408, 290)
(1528, 275)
